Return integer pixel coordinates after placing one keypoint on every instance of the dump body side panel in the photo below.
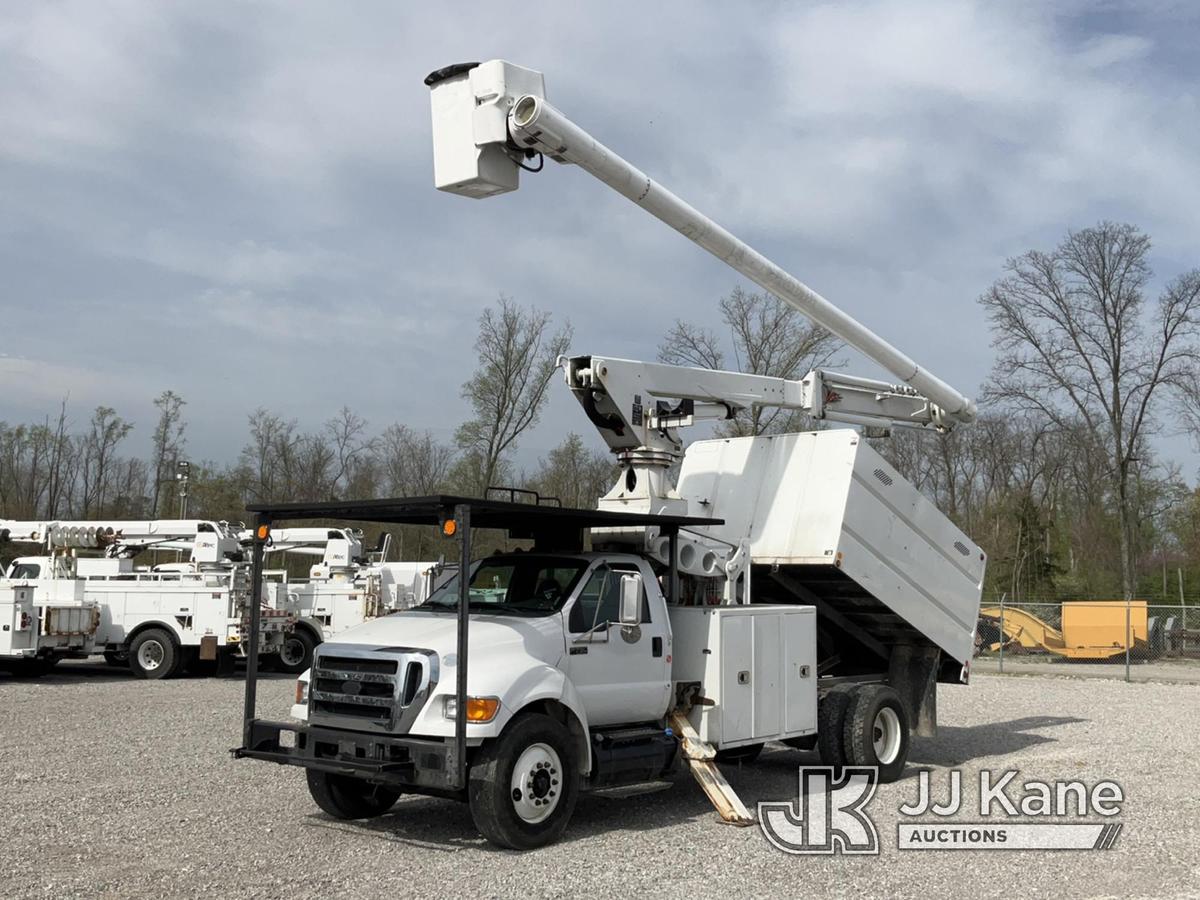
(826, 514)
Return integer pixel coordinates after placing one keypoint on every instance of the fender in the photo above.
(167, 624)
(542, 683)
(314, 626)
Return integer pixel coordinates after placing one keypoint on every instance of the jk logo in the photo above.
(828, 816)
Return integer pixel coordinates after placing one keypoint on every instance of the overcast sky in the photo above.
(234, 200)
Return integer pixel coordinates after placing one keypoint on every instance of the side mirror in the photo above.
(631, 599)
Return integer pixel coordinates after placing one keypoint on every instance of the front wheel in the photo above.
(524, 785)
(349, 798)
(118, 659)
(296, 654)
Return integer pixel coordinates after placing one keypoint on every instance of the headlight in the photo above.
(301, 691)
(479, 709)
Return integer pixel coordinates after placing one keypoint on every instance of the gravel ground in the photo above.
(122, 788)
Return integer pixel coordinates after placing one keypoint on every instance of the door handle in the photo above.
(656, 646)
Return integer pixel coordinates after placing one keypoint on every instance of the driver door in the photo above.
(622, 674)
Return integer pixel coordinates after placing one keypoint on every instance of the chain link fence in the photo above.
(1134, 639)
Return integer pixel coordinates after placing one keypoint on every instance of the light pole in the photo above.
(182, 473)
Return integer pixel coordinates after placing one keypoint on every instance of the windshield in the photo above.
(25, 572)
(525, 585)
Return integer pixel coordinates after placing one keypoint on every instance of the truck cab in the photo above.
(574, 648)
(543, 625)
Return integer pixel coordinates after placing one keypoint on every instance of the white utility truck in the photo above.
(789, 588)
(42, 620)
(347, 587)
(155, 620)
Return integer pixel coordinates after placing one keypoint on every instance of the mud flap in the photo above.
(208, 647)
(913, 675)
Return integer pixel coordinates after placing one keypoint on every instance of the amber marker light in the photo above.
(479, 709)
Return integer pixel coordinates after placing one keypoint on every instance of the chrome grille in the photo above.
(364, 689)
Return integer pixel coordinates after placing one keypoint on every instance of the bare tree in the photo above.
(413, 463)
(168, 442)
(769, 337)
(689, 345)
(351, 448)
(98, 455)
(574, 473)
(517, 356)
(1077, 344)
(269, 454)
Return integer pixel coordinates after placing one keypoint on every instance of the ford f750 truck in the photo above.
(616, 646)
(780, 588)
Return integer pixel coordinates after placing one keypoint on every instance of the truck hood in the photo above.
(491, 636)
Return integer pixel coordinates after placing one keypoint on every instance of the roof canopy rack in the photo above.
(558, 526)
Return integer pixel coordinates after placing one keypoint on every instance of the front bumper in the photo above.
(418, 765)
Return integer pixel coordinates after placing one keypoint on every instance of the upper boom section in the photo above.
(487, 117)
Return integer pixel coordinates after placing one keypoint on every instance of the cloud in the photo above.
(188, 194)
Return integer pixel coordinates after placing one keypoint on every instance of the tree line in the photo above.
(55, 470)
(1058, 480)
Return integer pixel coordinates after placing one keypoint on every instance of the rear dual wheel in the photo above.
(864, 725)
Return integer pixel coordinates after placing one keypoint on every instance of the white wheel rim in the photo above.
(885, 735)
(150, 655)
(292, 653)
(536, 783)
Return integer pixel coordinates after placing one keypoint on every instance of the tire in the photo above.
(831, 721)
(747, 754)
(344, 797)
(876, 730)
(808, 742)
(296, 654)
(154, 655)
(118, 659)
(523, 786)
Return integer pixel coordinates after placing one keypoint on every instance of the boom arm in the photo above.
(487, 116)
(640, 405)
(207, 541)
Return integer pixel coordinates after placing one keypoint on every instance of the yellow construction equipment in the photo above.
(1095, 629)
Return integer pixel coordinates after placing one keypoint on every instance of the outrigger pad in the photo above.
(701, 759)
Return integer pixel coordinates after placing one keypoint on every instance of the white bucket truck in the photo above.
(155, 620)
(792, 588)
(346, 587)
(42, 620)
